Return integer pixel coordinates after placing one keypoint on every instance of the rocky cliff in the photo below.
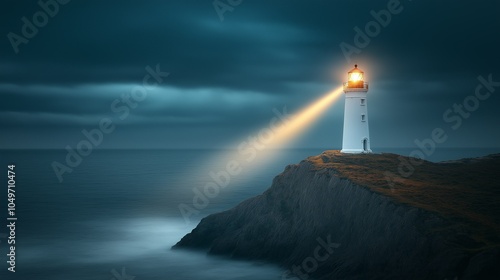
(338, 216)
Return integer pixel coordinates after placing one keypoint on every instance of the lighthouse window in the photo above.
(363, 118)
(362, 101)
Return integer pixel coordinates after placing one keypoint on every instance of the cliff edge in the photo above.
(367, 216)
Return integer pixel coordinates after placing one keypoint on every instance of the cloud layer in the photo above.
(227, 76)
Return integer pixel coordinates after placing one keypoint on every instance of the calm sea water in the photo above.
(116, 215)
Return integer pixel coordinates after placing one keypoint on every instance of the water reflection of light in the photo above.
(143, 247)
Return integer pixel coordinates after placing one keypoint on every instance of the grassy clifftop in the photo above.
(466, 191)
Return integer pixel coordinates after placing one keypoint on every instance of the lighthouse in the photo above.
(356, 137)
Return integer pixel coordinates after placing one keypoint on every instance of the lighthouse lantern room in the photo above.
(356, 136)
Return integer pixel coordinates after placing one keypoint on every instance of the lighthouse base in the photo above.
(355, 151)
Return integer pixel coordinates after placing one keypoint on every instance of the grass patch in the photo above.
(466, 191)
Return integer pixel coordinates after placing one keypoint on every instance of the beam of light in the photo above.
(257, 154)
(302, 120)
(216, 174)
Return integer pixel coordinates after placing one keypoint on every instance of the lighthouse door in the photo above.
(365, 144)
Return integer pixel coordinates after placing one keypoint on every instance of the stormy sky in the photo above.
(231, 64)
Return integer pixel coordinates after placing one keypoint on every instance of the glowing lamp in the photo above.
(355, 78)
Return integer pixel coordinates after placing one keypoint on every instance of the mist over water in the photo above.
(118, 211)
(140, 246)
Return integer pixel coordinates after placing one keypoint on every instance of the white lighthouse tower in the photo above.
(356, 134)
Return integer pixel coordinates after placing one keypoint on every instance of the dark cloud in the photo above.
(231, 73)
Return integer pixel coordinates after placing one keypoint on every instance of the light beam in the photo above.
(302, 120)
(253, 152)
(232, 167)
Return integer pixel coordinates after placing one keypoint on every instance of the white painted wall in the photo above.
(355, 127)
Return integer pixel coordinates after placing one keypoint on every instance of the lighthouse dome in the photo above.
(355, 75)
(355, 80)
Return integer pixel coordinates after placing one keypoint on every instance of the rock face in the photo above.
(321, 219)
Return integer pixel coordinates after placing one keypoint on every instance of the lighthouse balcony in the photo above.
(355, 86)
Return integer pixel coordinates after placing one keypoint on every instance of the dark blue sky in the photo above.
(227, 76)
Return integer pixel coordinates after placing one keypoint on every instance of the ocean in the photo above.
(116, 215)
